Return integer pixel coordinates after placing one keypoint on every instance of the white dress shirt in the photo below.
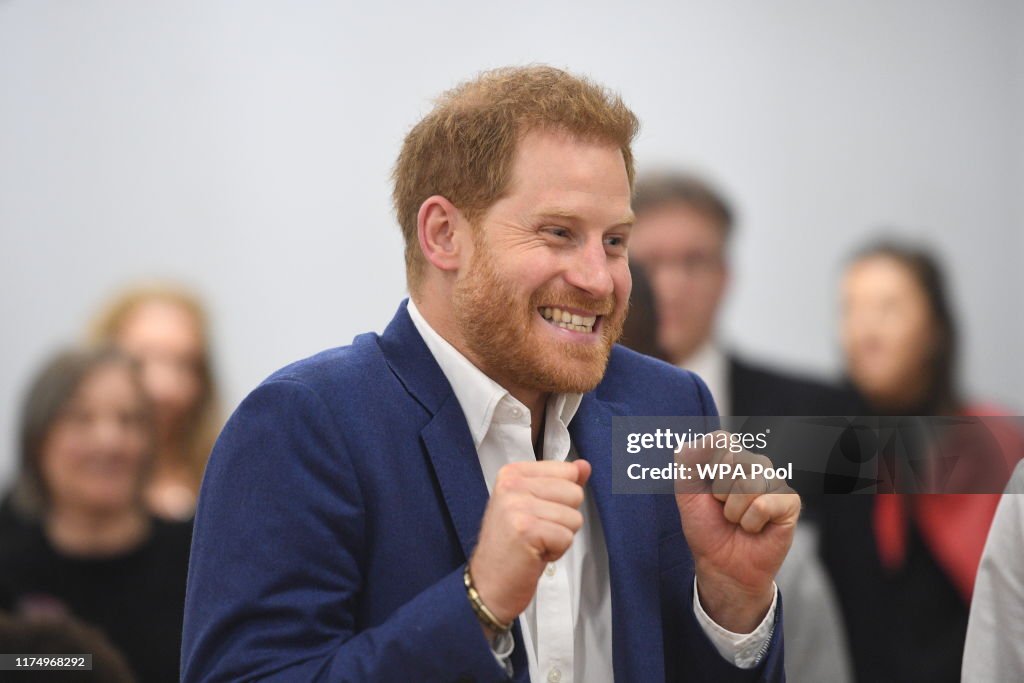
(567, 627)
(711, 365)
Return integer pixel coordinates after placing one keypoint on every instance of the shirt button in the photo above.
(554, 676)
(516, 412)
(550, 571)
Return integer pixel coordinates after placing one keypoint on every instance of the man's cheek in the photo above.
(624, 286)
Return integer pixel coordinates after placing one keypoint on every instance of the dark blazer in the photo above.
(757, 390)
(345, 495)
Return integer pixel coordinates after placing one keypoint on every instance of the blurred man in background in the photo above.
(680, 239)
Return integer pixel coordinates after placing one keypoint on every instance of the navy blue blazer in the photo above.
(345, 495)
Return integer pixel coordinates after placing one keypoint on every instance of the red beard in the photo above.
(499, 330)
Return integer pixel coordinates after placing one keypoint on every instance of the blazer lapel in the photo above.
(630, 532)
(447, 440)
(458, 471)
(446, 436)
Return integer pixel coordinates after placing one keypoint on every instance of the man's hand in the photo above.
(531, 519)
(739, 531)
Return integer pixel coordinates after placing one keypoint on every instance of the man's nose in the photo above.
(590, 271)
(669, 284)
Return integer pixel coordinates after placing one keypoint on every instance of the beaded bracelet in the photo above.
(483, 614)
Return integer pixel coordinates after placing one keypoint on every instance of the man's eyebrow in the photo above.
(558, 213)
(569, 215)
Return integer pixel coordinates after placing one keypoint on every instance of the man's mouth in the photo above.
(576, 321)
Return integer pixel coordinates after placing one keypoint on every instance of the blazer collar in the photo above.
(411, 361)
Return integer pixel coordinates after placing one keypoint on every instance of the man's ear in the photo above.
(438, 226)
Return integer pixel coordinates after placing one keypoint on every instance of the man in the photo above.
(434, 503)
(680, 239)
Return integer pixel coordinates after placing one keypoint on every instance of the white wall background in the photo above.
(245, 147)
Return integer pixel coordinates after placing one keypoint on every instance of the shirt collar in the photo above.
(478, 394)
(711, 365)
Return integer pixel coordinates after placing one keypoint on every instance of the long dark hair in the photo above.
(942, 395)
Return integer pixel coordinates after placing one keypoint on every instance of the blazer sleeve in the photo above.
(275, 571)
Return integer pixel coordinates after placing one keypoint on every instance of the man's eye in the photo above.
(558, 232)
(615, 241)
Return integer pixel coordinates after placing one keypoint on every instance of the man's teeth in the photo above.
(567, 320)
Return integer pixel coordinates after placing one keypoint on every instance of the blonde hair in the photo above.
(464, 148)
(205, 419)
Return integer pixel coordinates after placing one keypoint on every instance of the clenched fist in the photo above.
(739, 530)
(530, 520)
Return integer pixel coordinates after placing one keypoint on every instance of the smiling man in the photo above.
(434, 503)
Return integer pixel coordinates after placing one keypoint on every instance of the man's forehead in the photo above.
(679, 220)
(552, 158)
(562, 176)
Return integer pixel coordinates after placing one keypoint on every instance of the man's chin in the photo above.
(573, 380)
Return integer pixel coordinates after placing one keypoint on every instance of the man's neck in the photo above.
(686, 357)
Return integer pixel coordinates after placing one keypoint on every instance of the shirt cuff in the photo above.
(502, 647)
(745, 650)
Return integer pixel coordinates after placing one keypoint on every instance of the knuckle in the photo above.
(511, 469)
(576, 495)
(761, 506)
(507, 482)
(513, 505)
(576, 520)
(521, 524)
(750, 485)
(563, 539)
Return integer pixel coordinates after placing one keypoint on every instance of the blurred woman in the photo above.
(898, 332)
(903, 565)
(166, 329)
(96, 552)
